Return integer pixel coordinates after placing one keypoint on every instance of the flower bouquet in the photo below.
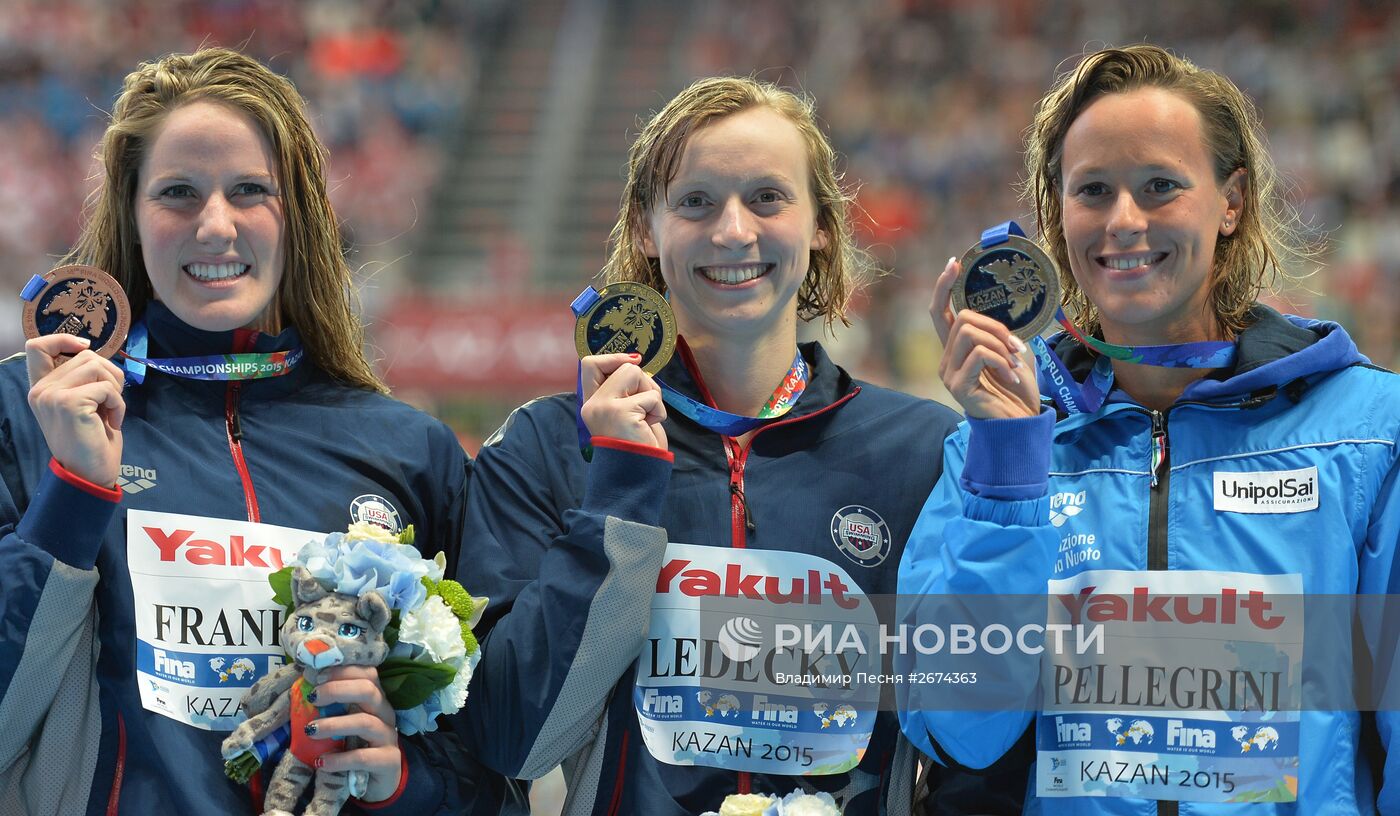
(429, 649)
(796, 803)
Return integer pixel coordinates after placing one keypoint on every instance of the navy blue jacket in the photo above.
(845, 443)
(294, 451)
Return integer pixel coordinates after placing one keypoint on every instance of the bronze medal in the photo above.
(79, 300)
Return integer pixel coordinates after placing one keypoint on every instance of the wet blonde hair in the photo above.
(835, 273)
(316, 293)
(1249, 260)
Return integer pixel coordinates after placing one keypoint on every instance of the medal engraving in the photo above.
(1013, 282)
(82, 301)
(628, 318)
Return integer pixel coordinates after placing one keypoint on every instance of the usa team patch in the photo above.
(861, 535)
(375, 510)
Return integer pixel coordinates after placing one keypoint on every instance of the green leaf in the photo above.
(281, 582)
(391, 631)
(407, 536)
(407, 683)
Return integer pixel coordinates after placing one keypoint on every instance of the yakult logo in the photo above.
(1276, 491)
(735, 582)
(182, 545)
(1228, 607)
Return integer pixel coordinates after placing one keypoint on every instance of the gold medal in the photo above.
(625, 317)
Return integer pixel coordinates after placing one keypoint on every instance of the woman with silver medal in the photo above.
(1181, 438)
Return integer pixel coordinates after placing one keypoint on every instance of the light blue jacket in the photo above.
(1300, 396)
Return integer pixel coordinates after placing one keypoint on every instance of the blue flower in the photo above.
(355, 567)
(420, 718)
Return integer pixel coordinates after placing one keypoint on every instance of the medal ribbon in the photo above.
(247, 366)
(1075, 397)
(782, 400)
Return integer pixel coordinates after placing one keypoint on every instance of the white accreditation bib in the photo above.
(758, 660)
(1194, 696)
(206, 625)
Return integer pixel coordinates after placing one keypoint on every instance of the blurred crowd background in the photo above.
(477, 146)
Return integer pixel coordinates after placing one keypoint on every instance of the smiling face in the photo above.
(735, 228)
(210, 218)
(1142, 211)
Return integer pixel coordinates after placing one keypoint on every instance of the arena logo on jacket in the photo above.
(1195, 696)
(1076, 547)
(758, 660)
(134, 479)
(861, 535)
(376, 510)
(206, 625)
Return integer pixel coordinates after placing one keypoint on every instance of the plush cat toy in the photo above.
(325, 629)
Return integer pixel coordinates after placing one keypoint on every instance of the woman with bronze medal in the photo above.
(766, 463)
(1184, 440)
(147, 501)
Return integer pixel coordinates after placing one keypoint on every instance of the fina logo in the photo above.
(375, 510)
(861, 535)
(740, 638)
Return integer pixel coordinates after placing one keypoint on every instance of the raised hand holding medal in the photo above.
(75, 318)
(628, 329)
(82, 301)
(983, 363)
(624, 334)
(1008, 301)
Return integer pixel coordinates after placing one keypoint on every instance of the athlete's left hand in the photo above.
(372, 719)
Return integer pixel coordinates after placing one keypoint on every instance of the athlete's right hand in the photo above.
(984, 365)
(78, 403)
(622, 401)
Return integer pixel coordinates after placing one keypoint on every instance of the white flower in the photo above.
(434, 627)
(452, 697)
(362, 530)
(806, 804)
(745, 804)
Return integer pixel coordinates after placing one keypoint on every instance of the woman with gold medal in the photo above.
(763, 460)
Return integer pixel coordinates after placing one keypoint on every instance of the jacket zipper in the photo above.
(114, 798)
(242, 342)
(1157, 526)
(1158, 495)
(1159, 492)
(741, 520)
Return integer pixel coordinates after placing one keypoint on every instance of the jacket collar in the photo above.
(1274, 351)
(172, 337)
(826, 383)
